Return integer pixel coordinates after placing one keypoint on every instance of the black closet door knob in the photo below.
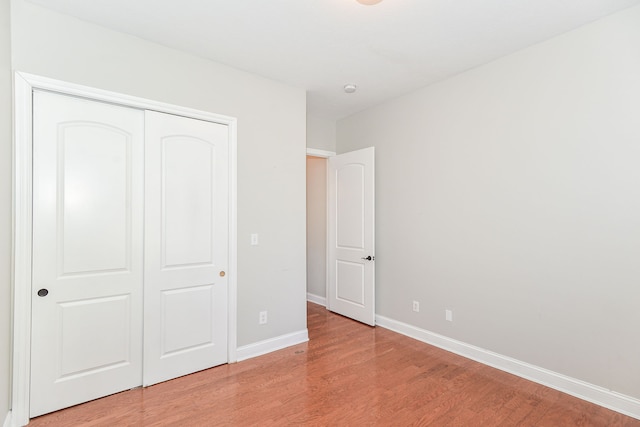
(43, 292)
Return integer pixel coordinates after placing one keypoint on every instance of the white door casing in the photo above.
(351, 243)
(186, 246)
(87, 250)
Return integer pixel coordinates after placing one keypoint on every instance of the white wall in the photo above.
(5, 206)
(510, 194)
(317, 226)
(321, 133)
(271, 144)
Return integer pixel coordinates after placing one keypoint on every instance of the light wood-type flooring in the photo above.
(348, 374)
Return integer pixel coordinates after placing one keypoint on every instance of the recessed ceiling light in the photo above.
(350, 88)
(368, 2)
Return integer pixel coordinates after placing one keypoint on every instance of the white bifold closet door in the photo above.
(130, 238)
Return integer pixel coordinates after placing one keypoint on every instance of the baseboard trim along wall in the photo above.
(600, 396)
(7, 420)
(317, 299)
(267, 346)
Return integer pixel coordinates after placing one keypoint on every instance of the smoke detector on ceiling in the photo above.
(368, 2)
(350, 88)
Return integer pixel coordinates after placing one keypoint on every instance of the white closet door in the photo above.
(186, 246)
(87, 251)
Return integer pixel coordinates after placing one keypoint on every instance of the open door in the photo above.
(352, 235)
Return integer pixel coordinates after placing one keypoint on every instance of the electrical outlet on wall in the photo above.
(416, 306)
(262, 319)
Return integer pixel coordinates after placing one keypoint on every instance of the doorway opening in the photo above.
(317, 227)
(341, 243)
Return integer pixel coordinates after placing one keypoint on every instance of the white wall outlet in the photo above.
(254, 239)
(262, 319)
(448, 315)
(416, 306)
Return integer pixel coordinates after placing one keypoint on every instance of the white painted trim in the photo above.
(7, 421)
(45, 83)
(22, 197)
(232, 326)
(600, 396)
(316, 299)
(320, 153)
(326, 237)
(267, 346)
(24, 86)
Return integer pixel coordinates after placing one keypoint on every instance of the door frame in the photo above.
(24, 85)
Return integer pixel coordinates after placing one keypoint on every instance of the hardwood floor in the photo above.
(348, 374)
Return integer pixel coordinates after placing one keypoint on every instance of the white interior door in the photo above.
(87, 251)
(352, 235)
(186, 244)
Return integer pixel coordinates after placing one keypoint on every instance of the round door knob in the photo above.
(43, 292)
(369, 258)
(222, 273)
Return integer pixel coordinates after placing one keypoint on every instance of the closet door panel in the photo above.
(87, 251)
(186, 229)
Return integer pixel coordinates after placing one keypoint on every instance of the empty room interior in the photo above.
(320, 212)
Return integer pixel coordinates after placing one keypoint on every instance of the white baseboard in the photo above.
(600, 396)
(7, 420)
(267, 346)
(317, 299)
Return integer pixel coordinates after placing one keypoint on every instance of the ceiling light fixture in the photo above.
(350, 88)
(369, 2)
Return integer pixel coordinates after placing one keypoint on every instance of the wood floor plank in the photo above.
(348, 374)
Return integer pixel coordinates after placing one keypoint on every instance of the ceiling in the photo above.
(387, 49)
